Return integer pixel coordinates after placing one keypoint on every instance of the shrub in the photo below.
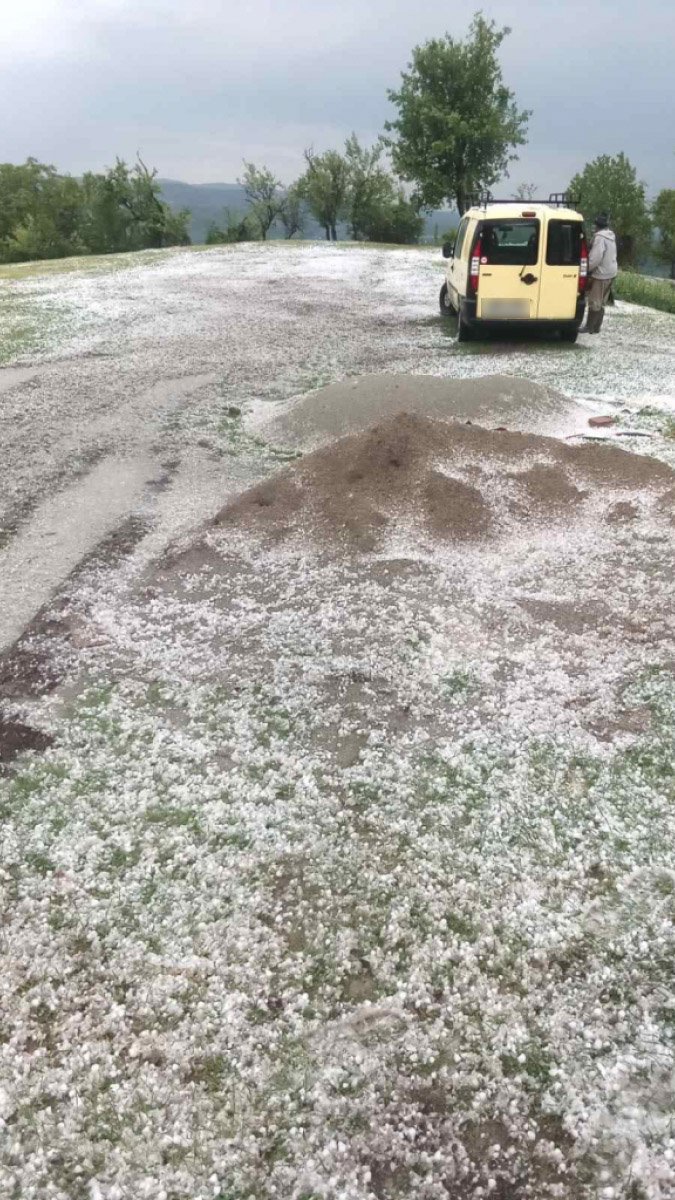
(238, 228)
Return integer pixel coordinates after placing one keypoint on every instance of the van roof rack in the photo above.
(555, 200)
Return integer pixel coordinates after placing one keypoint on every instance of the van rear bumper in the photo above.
(468, 309)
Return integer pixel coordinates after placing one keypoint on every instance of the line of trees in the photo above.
(353, 187)
(456, 131)
(44, 214)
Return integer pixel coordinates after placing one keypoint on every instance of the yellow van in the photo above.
(517, 263)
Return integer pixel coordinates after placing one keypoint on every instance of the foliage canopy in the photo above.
(457, 123)
(264, 193)
(663, 212)
(325, 187)
(609, 184)
(47, 215)
(355, 187)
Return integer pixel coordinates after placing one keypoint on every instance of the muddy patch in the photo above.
(622, 512)
(47, 649)
(16, 738)
(568, 617)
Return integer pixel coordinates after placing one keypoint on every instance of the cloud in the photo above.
(198, 85)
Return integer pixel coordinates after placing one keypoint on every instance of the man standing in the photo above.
(602, 270)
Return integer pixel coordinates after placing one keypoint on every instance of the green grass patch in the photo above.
(639, 289)
(31, 324)
(458, 683)
(25, 326)
(91, 264)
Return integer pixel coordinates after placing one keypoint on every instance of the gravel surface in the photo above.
(341, 867)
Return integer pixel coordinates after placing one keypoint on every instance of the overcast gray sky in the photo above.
(195, 85)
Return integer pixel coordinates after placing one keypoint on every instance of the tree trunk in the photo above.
(333, 233)
(460, 197)
(327, 228)
(626, 250)
(672, 269)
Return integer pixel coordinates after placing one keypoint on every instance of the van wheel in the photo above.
(447, 307)
(568, 335)
(464, 331)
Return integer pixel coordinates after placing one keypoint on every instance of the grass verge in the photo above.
(25, 326)
(91, 264)
(638, 289)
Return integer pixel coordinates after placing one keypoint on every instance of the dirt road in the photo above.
(141, 378)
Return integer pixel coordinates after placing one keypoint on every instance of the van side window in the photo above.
(563, 245)
(510, 243)
(461, 234)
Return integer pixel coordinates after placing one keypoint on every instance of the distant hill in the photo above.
(207, 203)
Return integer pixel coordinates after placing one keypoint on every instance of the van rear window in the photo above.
(510, 243)
(563, 246)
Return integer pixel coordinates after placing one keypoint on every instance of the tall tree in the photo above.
(609, 184)
(457, 122)
(393, 218)
(264, 194)
(40, 212)
(293, 212)
(122, 210)
(325, 187)
(663, 212)
(369, 184)
(155, 224)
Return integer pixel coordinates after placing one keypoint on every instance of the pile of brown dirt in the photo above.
(452, 481)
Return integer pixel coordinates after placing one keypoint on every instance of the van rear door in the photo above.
(560, 275)
(508, 285)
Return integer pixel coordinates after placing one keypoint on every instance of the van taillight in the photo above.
(474, 266)
(583, 266)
